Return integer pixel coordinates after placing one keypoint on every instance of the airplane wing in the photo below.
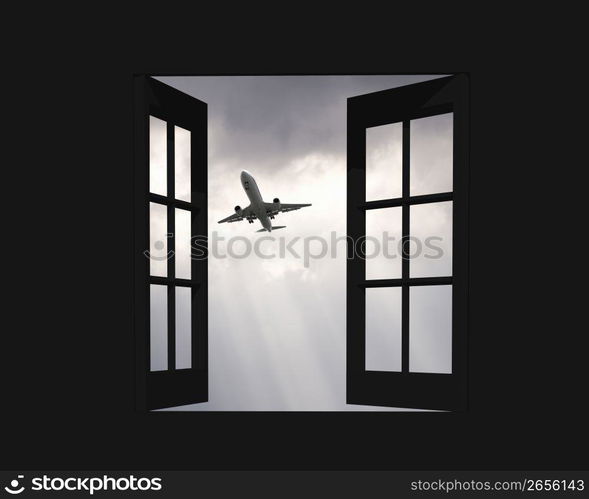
(245, 213)
(231, 218)
(283, 208)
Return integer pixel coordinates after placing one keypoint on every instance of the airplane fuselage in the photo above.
(256, 202)
(265, 212)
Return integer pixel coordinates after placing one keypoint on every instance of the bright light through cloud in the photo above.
(277, 335)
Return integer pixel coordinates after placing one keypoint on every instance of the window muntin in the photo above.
(170, 232)
(426, 206)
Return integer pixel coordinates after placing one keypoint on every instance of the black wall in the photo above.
(67, 347)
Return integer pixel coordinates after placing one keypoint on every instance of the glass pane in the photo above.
(158, 242)
(182, 242)
(382, 247)
(383, 329)
(384, 161)
(430, 156)
(430, 249)
(183, 328)
(158, 156)
(430, 329)
(158, 327)
(182, 163)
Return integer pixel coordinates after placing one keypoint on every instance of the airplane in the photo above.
(257, 208)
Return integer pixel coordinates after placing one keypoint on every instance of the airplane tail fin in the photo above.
(273, 228)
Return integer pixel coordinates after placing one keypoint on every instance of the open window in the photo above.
(407, 177)
(170, 210)
(407, 318)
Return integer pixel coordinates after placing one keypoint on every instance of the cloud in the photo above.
(277, 328)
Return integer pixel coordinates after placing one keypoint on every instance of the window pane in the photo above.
(383, 329)
(183, 328)
(158, 327)
(430, 154)
(384, 161)
(383, 236)
(430, 329)
(182, 163)
(158, 242)
(182, 242)
(158, 156)
(430, 249)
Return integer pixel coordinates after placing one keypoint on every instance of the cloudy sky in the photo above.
(277, 326)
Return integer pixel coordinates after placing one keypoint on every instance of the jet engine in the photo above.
(239, 211)
(276, 202)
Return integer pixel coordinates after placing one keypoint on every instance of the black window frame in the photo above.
(401, 105)
(170, 387)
